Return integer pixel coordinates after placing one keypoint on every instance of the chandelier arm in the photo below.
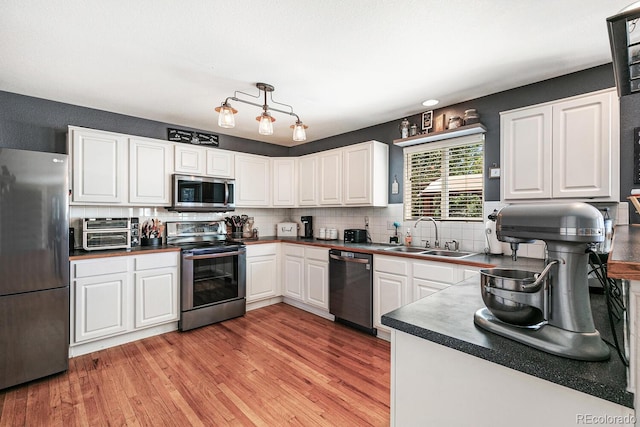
(281, 103)
(235, 94)
(290, 113)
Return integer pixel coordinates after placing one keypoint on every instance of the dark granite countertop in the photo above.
(446, 318)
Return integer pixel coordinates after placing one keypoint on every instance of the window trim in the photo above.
(439, 145)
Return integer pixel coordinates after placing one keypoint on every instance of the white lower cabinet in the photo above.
(293, 271)
(316, 277)
(262, 271)
(101, 306)
(399, 281)
(306, 277)
(430, 277)
(156, 296)
(390, 284)
(115, 297)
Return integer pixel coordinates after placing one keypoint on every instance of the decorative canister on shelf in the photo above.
(413, 130)
(404, 128)
(455, 122)
(471, 117)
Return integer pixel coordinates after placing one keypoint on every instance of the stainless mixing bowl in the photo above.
(503, 308)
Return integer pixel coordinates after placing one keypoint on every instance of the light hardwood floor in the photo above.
(275, 366)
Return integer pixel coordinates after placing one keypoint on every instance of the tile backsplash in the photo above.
(470, 235)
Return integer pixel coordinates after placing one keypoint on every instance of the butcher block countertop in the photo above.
(624, 258)
(80, 254)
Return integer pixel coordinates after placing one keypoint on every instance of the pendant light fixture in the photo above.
(265, 126)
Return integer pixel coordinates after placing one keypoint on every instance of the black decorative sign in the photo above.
(196, 138)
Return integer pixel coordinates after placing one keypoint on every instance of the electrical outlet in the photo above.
(390, 225)
(366, 221)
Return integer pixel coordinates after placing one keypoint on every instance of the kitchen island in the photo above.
(448, 372)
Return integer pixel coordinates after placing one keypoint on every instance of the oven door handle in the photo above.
(216, 255)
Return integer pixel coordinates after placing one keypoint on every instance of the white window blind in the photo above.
(445, 180)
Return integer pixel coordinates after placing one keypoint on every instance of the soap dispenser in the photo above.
(407, 237)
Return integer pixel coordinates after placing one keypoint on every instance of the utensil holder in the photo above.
(154, 241)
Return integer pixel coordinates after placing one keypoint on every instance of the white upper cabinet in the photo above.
(149, 172)
(365, 174)
(99, 162)
(308, 180)
(190, 159)
(220, 163)
(330, 177)
(285, 185)
(583, 138)
(253, 180)
(526, 153)
(110, 168)
(564, 149)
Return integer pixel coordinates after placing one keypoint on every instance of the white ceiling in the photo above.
(342, 64)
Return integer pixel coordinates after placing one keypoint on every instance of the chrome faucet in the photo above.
(436, 244)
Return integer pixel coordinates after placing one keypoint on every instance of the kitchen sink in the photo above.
(448, 254)
(430, 252)
(406, 249)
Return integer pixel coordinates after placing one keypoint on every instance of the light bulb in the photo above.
(299, 133)
(266, 125)
(225, 116)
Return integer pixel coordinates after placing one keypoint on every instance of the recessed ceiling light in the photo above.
(430, 102)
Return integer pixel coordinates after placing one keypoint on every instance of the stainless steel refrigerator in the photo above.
(34, 265)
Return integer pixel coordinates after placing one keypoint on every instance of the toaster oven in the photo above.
(106, 233)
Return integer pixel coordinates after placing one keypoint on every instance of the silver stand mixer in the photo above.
(551, 310)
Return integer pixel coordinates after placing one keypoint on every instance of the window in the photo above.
(444, 180)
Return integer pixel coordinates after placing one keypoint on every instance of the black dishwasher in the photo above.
(351, 289)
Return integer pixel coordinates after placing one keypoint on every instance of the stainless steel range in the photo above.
(213, 281)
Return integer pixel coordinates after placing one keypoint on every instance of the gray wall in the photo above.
(489, 108)
(37, 124)
(41, 125)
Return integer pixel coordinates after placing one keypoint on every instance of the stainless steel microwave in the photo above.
(192, 193)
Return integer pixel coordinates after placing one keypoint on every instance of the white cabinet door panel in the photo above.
(526, 150)
(220, 163)
(149, 172)
(190, 159)
(357, 174)
(389, 294)
(582, 147)
(99, 166)
(156, 297)
(285, 185)
(308, 180)
(253, 181)
(100, 306)
(317, 283)
(293, 277)
(330, 178)
(262, 277)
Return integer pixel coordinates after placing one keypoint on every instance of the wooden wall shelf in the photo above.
(439, 136)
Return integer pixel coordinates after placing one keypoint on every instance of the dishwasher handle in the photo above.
(349, 259)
